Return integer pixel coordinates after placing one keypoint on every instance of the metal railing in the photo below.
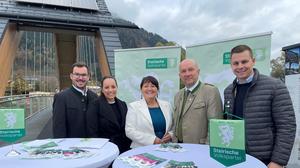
(32, 103)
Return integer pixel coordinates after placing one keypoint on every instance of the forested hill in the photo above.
(136, 38)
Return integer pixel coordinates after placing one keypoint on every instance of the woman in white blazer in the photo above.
(149, 120)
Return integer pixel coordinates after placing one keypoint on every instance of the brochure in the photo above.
(143, 160)
(173, 147)
(90, 143)
(177, 164)
(58, 153)
(40, 144)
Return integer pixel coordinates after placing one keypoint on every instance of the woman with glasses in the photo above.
(106, 116)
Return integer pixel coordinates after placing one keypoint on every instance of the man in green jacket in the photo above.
(194, 105)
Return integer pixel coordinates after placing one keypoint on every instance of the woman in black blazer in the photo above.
(107, 115)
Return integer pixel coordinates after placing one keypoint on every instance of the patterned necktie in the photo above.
(179, 126)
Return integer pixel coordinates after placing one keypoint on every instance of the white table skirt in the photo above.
(102, 158)
(199, 154)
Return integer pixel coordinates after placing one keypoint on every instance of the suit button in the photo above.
(82, 100)
(84, 109)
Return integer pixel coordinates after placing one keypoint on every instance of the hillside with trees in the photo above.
(137, 38)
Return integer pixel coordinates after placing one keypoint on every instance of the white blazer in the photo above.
(139, 127)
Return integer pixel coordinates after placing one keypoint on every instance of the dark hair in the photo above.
(150, 79)
(108, 77)
(80, 64)
(241, 48)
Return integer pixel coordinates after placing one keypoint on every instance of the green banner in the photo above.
(214, 58)
(12, 124)
(227, 141)
(131, 65)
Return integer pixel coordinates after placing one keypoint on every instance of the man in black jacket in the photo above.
(265, 105)
(70, 105)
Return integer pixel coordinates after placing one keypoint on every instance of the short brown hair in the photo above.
(80, 64)
(241, 48)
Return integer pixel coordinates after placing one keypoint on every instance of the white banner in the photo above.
(134, 64)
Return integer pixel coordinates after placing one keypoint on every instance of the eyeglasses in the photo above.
(77, 75)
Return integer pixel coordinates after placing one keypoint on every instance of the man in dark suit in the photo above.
(70, 105)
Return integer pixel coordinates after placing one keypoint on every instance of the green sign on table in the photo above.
(227, 141)
(12, 124)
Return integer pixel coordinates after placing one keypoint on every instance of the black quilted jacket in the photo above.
(269, 118)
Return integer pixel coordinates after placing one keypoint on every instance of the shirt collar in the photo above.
(193, 87)
(248, 80)
(84, 93)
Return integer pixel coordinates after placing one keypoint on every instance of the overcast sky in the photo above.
(189, 22)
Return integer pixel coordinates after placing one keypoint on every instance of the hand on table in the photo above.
(157, 141)
(167, 138)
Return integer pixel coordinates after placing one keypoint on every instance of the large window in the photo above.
(292, 60)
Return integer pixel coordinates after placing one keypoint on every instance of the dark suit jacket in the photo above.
(69, 113)
(102, 122)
